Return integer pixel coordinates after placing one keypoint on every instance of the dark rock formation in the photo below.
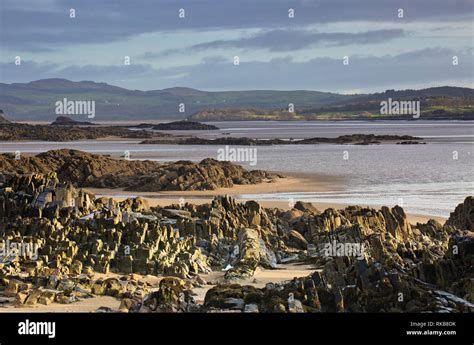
(89, 170)
(173, 295)
(23, 131)
(401, 268)
(463, 215)
(249, 255)
(67, 121)
(365, 260)
(354, 139)
(184, 126)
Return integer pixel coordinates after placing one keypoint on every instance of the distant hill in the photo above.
(36, 101)
(437, 103)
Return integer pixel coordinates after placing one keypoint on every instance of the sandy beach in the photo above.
(313, 183)
(262, 276)
(296, 183)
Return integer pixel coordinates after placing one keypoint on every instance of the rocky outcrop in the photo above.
(67, 121)
(359, 139)
(376, 262)
(23, 131)
(233, 297)
(230, 141)
(249, 255)
(184, 126)
(354, 139)
(365, 260)
(173, 295)
(454, 272)
(463, 215)
(88, 170)
(359, 287)
(52, 286)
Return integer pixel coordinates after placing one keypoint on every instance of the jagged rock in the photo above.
(294, 305)
(14, 286)
(251, 308)
(306, 207)
(173, 295)
(21, 297)
(249, 257)
(230, 296)
(296, 240)
(47, 297)
(463, 216)
(267, 257)
(126, 304)
(34, 296)
(77, 235)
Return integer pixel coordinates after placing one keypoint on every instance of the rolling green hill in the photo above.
(36, 101)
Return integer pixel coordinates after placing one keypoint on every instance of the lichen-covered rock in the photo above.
(296, 240)
(173, 295)
(249, 255)
(364, 259)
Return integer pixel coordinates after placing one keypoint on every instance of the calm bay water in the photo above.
(426, 179)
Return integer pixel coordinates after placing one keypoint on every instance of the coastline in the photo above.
(296, 183)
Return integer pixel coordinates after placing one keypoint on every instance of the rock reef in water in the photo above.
(67, 121)
(354, 139)
(23, 131)
(184, 126)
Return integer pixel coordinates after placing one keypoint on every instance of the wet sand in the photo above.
(295, 183)
(260, 279)
(86, 305)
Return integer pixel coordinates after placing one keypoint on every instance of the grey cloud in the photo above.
(328, 74)
(24, 27)
(285, 40)
(428, 66)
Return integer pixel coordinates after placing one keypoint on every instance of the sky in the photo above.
(148, 45)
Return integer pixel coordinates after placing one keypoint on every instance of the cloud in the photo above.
(33, 24)
(426, 67)
(290, 39)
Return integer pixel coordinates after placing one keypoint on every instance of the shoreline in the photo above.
(290, 184)
(263, 120)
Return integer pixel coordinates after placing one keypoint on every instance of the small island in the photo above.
(184, 126)
(67, 121)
